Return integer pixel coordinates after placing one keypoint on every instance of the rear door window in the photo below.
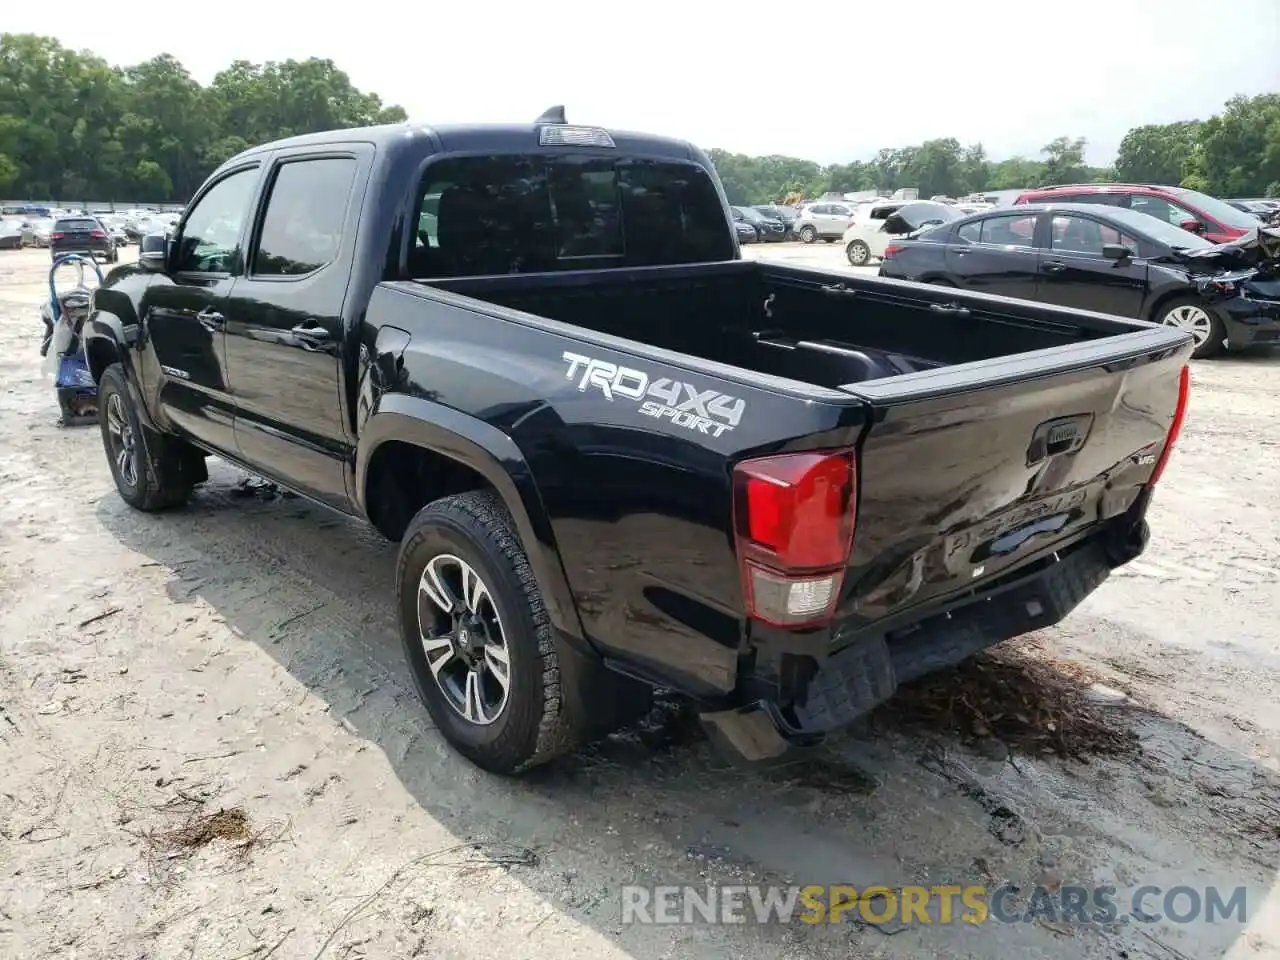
(302, 228)
(503, 214)
(1010, 230)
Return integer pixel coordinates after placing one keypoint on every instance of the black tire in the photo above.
(556, 698)
(1212, 344)
(858, 253)
(808, 234)
(830, 239)
(161, 470)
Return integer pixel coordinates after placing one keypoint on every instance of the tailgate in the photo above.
(970, 471)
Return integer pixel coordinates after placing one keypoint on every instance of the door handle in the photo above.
(211, 320)
(311, 336)
(311, 330)
(1053, 266)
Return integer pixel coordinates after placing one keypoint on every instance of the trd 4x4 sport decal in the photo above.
(703, 411)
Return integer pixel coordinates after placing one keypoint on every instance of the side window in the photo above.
(1011, 230)
(1112, 235)
(302, 228)
(1160, 208)
(211, 235)
(970, 232)
(1076, 235)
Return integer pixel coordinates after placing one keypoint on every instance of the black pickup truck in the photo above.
(616, 455)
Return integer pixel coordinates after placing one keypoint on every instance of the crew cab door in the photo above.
(184, 313)
(996, 254)
(285, 326)
(1074, 273)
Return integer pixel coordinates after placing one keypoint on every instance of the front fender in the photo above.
(495, 456)
(107, 340)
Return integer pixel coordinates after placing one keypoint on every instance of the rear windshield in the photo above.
(527, 214)
(77, 225)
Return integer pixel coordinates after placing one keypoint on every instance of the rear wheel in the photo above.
(1191, 315)
(858, 252)
(503, 688)
(808, 234)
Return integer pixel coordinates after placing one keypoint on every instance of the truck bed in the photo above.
(794, 323)
(992, 436)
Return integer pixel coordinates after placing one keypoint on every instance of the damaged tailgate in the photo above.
(970, 472)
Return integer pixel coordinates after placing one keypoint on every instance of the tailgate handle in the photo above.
(839, 288)
(1058, 436)
(950, 309)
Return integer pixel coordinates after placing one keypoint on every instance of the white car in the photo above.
(874, 225)
(822, 219)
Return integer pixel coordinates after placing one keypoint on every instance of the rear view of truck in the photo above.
(960, 519)
(615, 455)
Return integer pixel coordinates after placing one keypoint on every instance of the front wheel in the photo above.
(858, 253)
(151, 472)
(1191, 315)
(808, 234)
(504, 690)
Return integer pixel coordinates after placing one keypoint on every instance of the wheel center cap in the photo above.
(464, 638)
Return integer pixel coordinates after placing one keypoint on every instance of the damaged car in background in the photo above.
(1109, 260)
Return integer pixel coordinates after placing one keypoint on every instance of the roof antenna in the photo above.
(552, 115)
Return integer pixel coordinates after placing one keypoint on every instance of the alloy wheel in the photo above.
(463, 640)
(124, 445)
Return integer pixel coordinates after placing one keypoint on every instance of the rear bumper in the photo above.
(97, 253)
(811, 696)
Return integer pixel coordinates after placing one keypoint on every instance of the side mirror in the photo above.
(154, 253)
(1192, 226)
(1116, 251)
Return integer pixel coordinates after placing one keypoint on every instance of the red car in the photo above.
(1215, 220)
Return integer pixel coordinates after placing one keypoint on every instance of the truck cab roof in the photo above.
(413, 137)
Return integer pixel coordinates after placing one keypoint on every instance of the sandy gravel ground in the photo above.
(240, 656)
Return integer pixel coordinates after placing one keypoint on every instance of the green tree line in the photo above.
(73, 126)
(1233, 154)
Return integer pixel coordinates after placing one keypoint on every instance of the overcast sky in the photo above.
(829, 80)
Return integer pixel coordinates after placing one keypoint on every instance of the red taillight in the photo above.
(57, 236)
(892, 250)
(97, 234)
(794, 517)
(1175, 428)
